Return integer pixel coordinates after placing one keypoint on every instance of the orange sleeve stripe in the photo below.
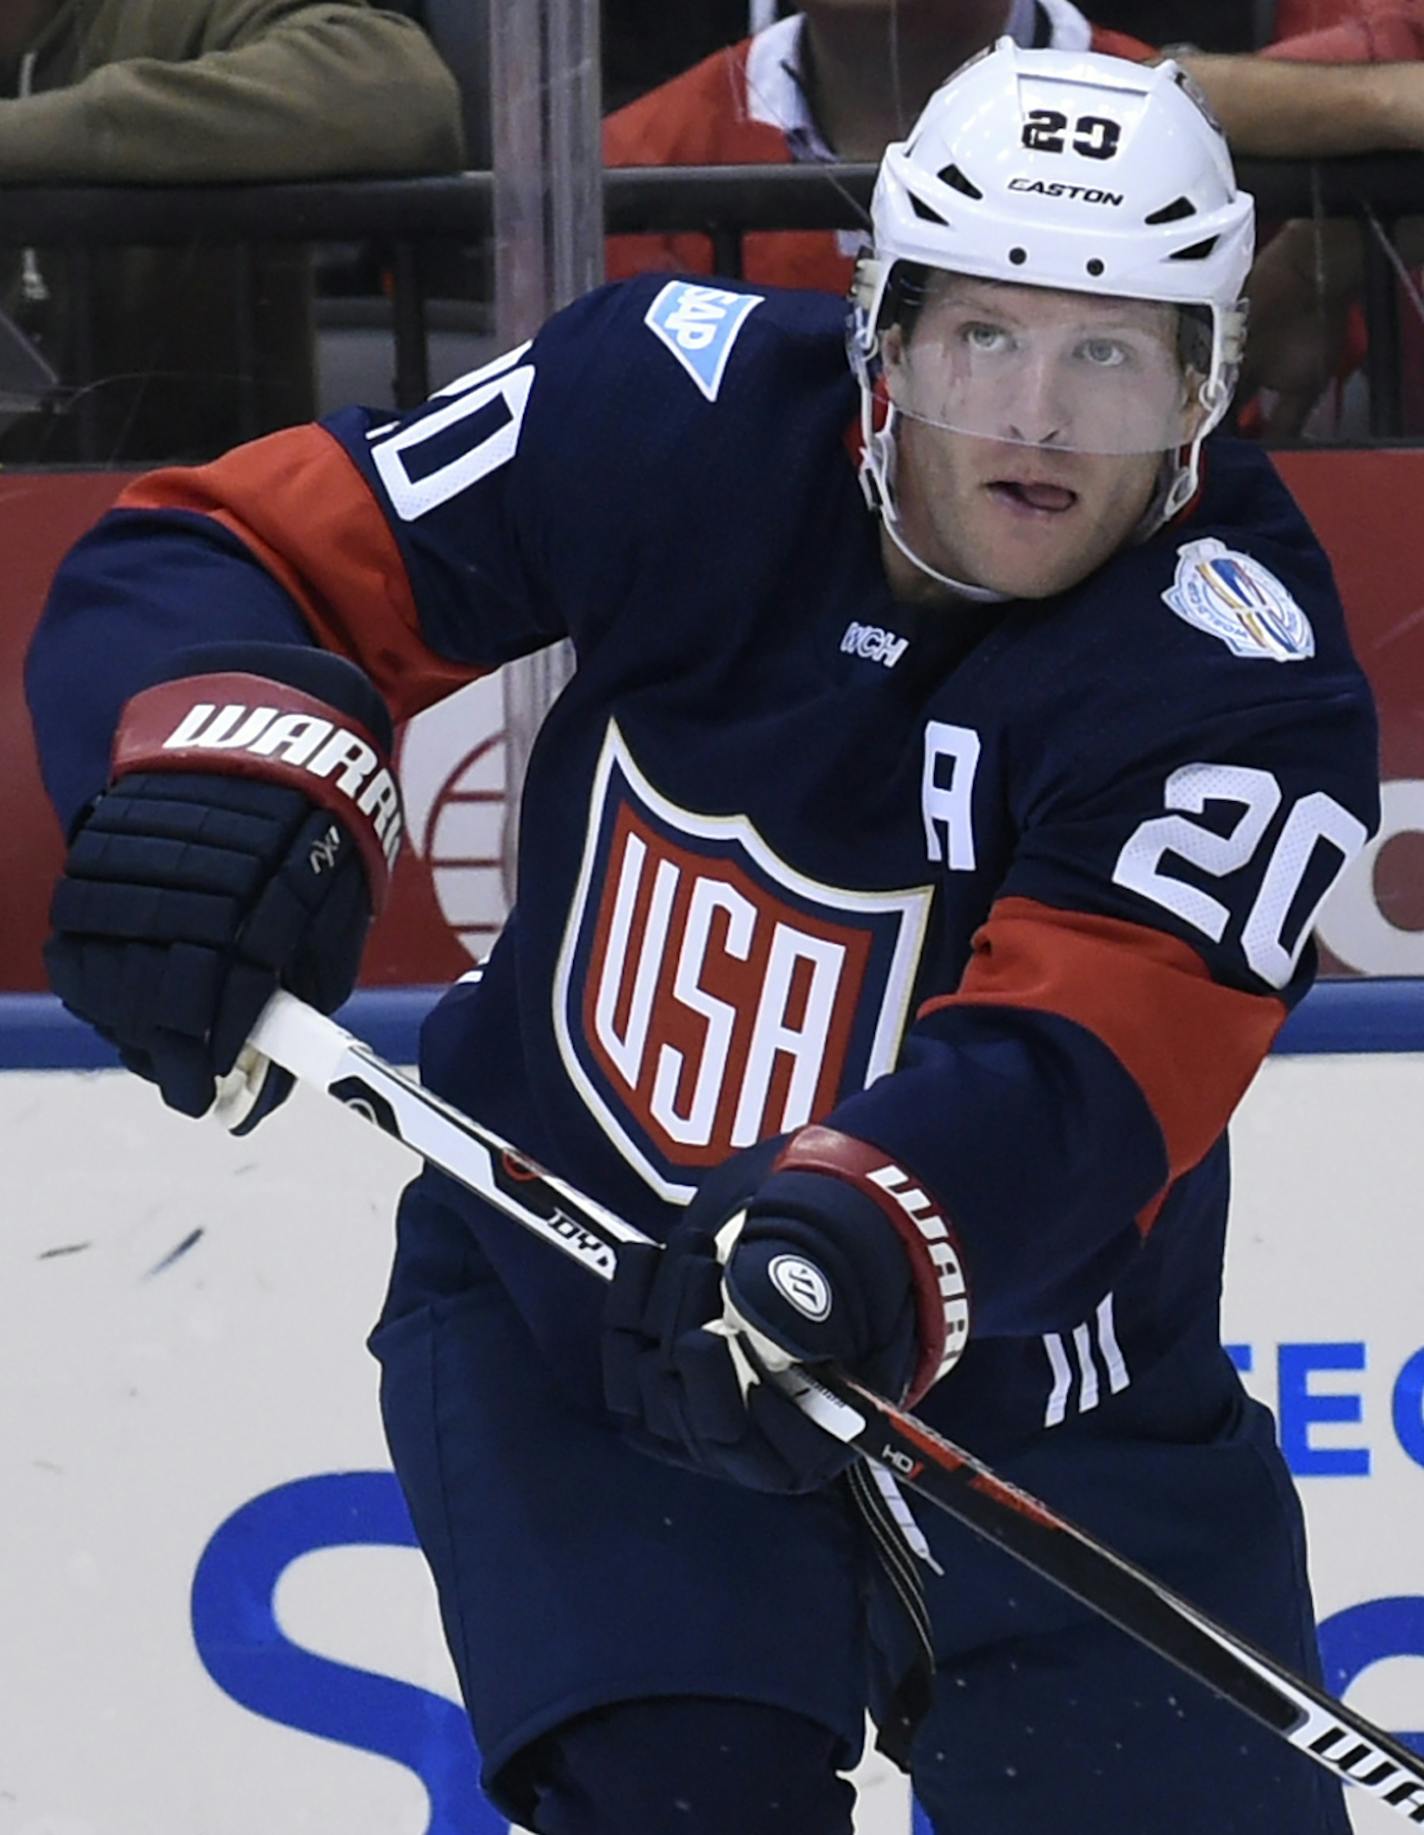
(300, 507)
(1191, 1045)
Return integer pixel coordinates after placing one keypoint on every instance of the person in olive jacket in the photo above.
(124, 92)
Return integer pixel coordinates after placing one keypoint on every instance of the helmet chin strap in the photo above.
(981, 595)
(1181, 471)
(877, 473)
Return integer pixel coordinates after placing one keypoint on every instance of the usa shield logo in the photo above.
(709, 994)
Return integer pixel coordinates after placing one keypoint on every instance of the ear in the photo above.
(892, 347)
(1197, 412)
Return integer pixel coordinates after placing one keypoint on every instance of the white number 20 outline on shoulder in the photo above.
(414, 496)
(1315, 818)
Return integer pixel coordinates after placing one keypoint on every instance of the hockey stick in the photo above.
(318, 1051)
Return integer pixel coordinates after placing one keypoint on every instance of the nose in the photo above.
(1021, 436)
(1036, 413)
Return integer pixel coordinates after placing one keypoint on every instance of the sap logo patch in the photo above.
(1240, 602)
(699, 325)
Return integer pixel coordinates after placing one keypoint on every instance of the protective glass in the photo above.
(1071, 372)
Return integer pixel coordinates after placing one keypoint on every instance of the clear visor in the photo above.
(1074, 372)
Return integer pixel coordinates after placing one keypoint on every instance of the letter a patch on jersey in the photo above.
(1239, 601)
(709, 995)
(700, 325)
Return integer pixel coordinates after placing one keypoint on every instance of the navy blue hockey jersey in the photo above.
(1020, 894)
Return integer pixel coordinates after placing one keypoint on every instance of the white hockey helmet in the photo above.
(1071, 171)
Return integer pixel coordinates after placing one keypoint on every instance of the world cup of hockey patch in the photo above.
(699, 325)
(1234, 598)
(708, 994)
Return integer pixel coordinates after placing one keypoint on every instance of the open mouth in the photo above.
(1032, 496)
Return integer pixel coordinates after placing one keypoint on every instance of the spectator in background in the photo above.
(838, 80)
(1308, 336)
(1354, 83)
(1354, 88)
(647, 41)
(1296, 19)
(834, 81)
(114, 92)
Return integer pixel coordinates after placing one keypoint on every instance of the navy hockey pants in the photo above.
(597, 1603)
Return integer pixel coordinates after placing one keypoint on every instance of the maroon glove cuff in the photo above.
(250, 726)
(936, 1262)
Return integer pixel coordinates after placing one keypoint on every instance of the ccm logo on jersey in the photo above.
(1236, 599)
(708, 994)
(874, 644)
(699, 325)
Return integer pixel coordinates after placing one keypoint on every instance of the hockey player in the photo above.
(914, 874)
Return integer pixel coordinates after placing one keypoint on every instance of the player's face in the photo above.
(1023, 522)
(1033, 428)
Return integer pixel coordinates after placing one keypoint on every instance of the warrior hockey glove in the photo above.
(244, 841)
(837, 1257)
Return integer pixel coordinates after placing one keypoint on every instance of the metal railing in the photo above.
(407, 216)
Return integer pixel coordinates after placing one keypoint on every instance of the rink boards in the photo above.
(213, 1616)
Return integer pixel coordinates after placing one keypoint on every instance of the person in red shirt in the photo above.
(837, 81)
(1349, 31)
(1347, 76)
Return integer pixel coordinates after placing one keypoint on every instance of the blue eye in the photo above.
(1104, 353)
(983, 337)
